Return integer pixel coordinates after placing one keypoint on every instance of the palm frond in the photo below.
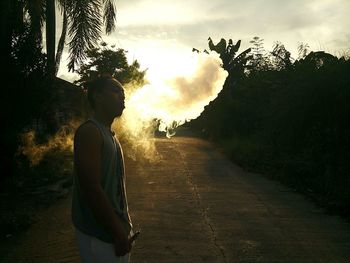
(109, 16)
(85, 23)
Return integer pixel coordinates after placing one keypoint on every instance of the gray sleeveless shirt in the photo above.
(113, 184)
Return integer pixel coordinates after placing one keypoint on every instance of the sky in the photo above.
(161, 34)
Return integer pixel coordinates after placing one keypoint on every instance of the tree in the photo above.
(83, 20)
(216, 112)
(289, 120)
(11, 21)
(25, 66)
(231, 62)
(62, 39)
(24, 93)
(108, 60)
(50, 36)
(281, 58)
(259, 60)
(303, 50)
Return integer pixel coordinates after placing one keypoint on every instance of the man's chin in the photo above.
(118, 113)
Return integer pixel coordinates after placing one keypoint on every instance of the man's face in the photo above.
(113, 98)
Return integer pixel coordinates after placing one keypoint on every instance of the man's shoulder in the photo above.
(87, 129)
(86, 124)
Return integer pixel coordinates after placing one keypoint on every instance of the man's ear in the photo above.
(97, 97)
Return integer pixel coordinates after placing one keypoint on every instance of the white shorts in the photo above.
(93, 250)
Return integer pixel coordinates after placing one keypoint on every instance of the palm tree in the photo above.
(10, 22)
(62, 40)
(83, 20)
(50, 36)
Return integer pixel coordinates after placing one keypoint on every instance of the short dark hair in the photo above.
(96, 85)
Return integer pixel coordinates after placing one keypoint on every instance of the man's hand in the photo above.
(122, 245)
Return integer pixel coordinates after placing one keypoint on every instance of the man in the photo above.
(99, 205)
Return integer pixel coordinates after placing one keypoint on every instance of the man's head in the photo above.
(106, 94)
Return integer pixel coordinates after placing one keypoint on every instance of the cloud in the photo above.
(320, 23)
(256, 14)
(164, 12)
(287, 21)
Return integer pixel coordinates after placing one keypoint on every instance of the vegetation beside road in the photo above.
(286, 118)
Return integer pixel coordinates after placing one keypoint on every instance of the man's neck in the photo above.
(102, 118)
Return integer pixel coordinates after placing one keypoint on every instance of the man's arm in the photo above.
(87, 157)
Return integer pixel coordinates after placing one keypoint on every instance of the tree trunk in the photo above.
(61, 41)
(50, 116)
(50, 37)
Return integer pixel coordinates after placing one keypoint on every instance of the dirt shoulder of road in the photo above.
(22, 206)
(330, 206)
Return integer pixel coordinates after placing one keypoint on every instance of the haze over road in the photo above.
(197, 206)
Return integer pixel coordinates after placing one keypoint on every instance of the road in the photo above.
(194, 205)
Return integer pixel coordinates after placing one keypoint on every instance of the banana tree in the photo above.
(232, 63)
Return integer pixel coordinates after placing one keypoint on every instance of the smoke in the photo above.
(61, 141)
(165, 104)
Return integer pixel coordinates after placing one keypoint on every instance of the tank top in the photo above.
(113, 184)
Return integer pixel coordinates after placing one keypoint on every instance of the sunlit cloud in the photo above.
(159, 33)
(166, 12)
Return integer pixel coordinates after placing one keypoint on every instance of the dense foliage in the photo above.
(28, 84)
(25, 95)
(289, 119)
(111, 61)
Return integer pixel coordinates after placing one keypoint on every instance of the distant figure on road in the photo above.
(100, 215)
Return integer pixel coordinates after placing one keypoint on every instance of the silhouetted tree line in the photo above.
(28, 74)
(30, 91)
(286, 117)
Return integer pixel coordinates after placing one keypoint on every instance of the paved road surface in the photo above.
(196, 206)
